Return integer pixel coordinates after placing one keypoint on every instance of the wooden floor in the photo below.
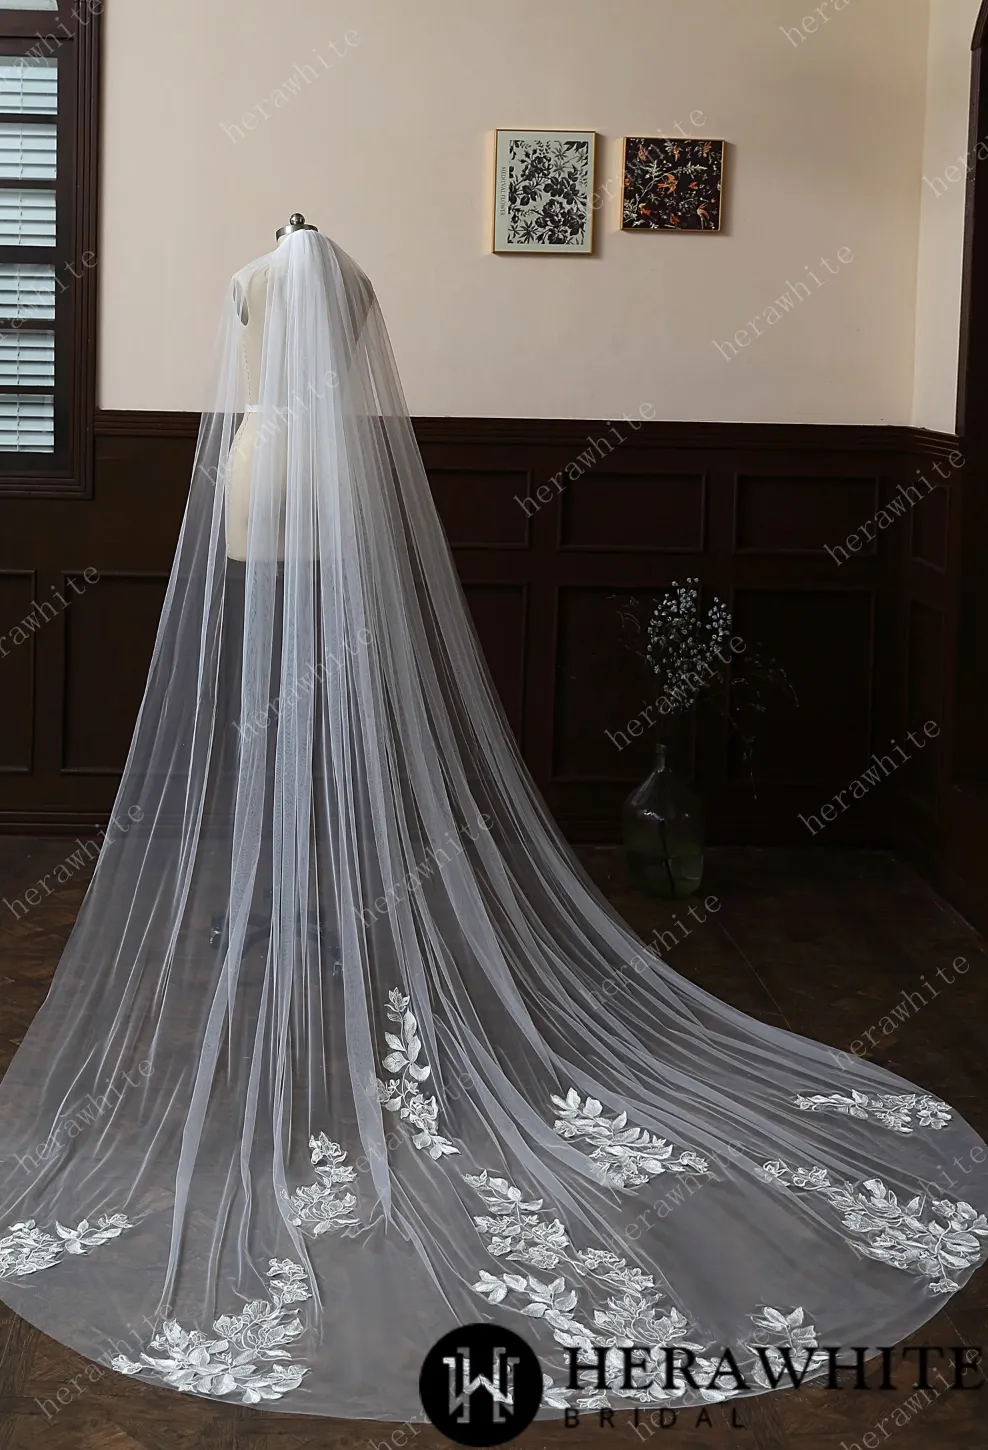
(822, 943)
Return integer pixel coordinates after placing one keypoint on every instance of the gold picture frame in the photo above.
(544, 192)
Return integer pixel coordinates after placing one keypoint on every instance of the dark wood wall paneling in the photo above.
(749, 509)
(943, 624)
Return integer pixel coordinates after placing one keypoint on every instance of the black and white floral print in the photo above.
(545, 195)
(672, 184)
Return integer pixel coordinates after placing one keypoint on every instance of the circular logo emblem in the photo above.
(481, 1385)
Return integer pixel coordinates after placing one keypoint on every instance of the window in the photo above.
(48, 175)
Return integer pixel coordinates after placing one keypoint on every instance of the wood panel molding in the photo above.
(546, 554)
(567, 432)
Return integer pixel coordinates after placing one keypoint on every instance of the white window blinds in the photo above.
(27, 359)
(29, 86)
(27, 218)
(28, 152)
(28, 224)
(27, 422)
(27, 289)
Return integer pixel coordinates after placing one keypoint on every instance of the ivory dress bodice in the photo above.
(249, 297)
(248, 294)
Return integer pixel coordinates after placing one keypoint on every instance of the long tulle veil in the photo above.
(345, 1050)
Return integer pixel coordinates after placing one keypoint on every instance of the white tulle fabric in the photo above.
(345, 1050)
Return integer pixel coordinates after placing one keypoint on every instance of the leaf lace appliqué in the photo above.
(248, 1356)
(403, 1095)
(625, 1309)
(892, 1110)
(26, 1249)
(626, 1156)
(326, 1206)
(932, 1238)
(519, 1230)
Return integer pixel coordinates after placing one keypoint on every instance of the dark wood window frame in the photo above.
(72, 34)
(969, 767)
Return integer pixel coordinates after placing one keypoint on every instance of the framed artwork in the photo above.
(672, 184)
(543, 191)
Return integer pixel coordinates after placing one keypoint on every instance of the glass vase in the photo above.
(662, 833)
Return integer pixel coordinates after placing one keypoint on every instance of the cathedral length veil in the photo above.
(345, 1050)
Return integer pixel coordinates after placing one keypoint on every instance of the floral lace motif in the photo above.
(626, 1156)
(403, 1095)
(249, 1356)
(908, 1236)
(27, 1249)
(326, 1206)
(628, 1309)
(893, 1110)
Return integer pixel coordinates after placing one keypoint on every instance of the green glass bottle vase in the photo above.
(662, 832)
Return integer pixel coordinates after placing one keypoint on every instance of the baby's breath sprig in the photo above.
(685, 649)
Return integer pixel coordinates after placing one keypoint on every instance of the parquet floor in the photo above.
(823, 943)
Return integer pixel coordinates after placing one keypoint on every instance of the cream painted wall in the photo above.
(387, 146)
(941, 249)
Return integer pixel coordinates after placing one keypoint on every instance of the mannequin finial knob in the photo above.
(296, 223)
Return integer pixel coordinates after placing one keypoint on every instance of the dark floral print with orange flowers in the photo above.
(672, 184)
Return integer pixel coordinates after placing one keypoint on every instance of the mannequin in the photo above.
(250, 291)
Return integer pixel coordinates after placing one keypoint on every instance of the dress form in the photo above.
(249, 294)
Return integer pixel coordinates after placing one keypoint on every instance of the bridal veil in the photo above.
(345, 1050)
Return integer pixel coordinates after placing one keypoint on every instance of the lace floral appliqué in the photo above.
(326, 1206)
(626, 1156)
(248, 1356)
(932, 1238)
(625, 1309)
(27, 1249)
(892, 1110)
(403, 1095)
